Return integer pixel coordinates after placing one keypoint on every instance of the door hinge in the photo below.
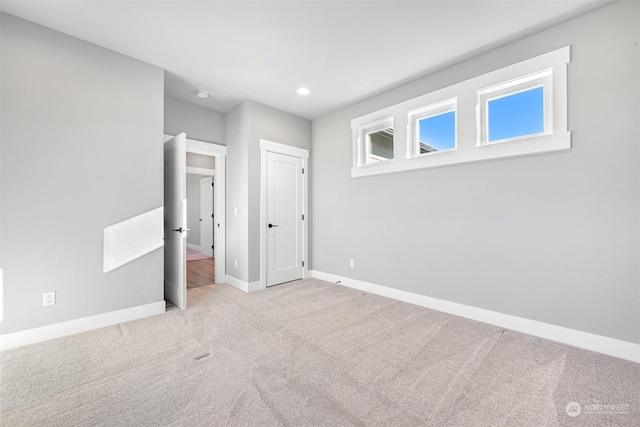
(211, 215)
(302, 171)
(212, 184)
(211, 246)
(303, 263)
(303, 217)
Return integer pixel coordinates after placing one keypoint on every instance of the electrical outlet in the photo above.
(352, 263)
(236, 262)
(48, 298)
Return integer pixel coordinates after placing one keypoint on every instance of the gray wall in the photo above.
(199, 123)
(550, 237)
(193, 208)
(81, 150)
(277, 126)
(246, 125)
(237, 192)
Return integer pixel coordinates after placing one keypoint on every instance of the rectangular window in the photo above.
(433, 128)
(375, 142)
(516, 109)
(437, 133)
(516, 115)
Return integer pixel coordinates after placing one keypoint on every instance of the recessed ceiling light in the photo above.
(303, 91)
(202, 94)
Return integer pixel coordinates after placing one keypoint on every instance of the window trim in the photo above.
(468, 126)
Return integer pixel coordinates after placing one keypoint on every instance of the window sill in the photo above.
(523, 147)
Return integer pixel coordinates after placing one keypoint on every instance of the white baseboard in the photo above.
(207, 250)
(237, 283)
(194, 247)
(70, 327)
(254, 286)
(598, 343)
(243, 286)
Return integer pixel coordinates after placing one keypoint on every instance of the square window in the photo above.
(379, 145)
(516, 115)
(432, 129)
(437, 133)
(374, 142)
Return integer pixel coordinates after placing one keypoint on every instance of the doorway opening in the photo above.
(203, 214)
(200, 220)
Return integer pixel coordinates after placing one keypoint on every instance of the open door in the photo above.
(175, 220)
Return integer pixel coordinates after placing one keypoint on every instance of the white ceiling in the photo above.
(343, 51)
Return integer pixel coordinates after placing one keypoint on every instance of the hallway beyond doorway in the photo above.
(200, 272)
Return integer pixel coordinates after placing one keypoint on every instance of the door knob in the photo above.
(179, 230)
(272, 225)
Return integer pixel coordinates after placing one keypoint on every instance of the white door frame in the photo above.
(209, 189)
(220, 153)
(275, 147)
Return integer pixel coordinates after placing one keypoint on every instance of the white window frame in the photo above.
(363, 147)
(542, 79)
(549, 69)
(413, 125)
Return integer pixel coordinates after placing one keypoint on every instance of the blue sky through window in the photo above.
(438, 132)
(516, 115)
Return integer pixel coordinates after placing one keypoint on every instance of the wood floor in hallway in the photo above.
(200, 272)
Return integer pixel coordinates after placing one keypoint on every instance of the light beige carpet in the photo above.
(310, 353)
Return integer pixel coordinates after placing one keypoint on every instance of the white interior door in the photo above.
(206, 215)
(175, 220)
(284, 209)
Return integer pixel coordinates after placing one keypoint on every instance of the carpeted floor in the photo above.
(310, 353)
